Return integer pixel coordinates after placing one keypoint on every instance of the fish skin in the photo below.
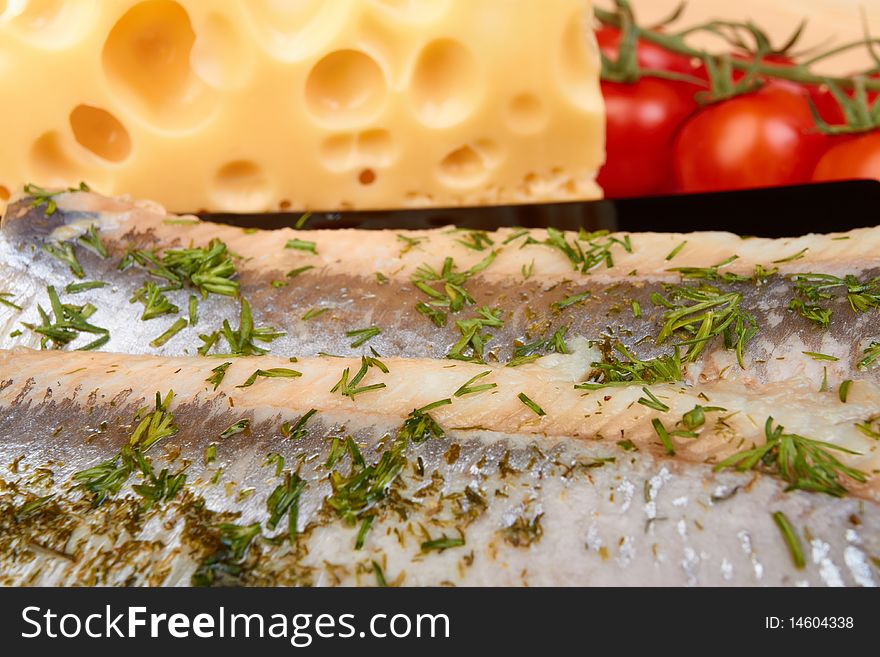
(343, 282)
(639, 520)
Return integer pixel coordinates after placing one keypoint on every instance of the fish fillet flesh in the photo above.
(439, 407)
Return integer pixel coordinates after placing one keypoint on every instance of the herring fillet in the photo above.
(477, 507)
(318, 309)
(583, 492)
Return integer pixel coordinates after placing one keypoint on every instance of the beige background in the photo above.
(836, 20)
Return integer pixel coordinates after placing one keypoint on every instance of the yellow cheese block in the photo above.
(257, 105)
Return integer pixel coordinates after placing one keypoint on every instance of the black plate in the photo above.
(778, 212)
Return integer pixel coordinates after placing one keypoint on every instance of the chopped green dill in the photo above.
(314, 312)
(812, 312)
(818, 288)
(241, 341)
(66, 324)
(653, 402)
(107, 478)
(442, 543)
(627, 445)
(453, 296)
(210, 269)
(15, 333)
(73, 288)
(169, 333)
(537, 410)
(366, 523)
(302, 245)
(789, 535)
(843, 392)
(797, 256)
(805, 464)
(572, 300)
(350, 388)
(302, 220)
(472, 337)
(33, 507)
(217, 375)
(381, 278)
(522, 532)
(298, 429)
(154, 488)
(154, 300)
(516, 235)
(409, 243)
(596, 253)
(663, 434)
(227, 559)
(6, 302)
(380, 576)
(817, 356)
(193, 310)
(870, 428)
(438, 317)
(870, 356)
(284, 501)
(272, 373)
(637, 310)
(476, 240)
(528, 270)
(235, 428)
(696, 417)
(703, 313)
(676, 250)
(468, 389)
(64, 253)
(92, 241)
(419, 426)
(210, 454)
(363, 335)
(611, 372)
(40, 196)
(293, 273)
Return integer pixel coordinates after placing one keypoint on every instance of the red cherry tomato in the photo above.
(642, 119)
(766, 138)
(851, 159)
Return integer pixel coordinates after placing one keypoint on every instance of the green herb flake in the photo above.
(843, 392)
(236, 428)
(676, 250)
(792, 540)
(363, 335)
(74, 288)
(663, 434)
(302, 245)
(818, 356)
(172, 330)
(272, 373)
(217, 375)
(442, 543)
(805, 464)
(537, 410)
(653, 402)
(468, 389)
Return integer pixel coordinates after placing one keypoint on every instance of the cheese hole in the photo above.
(284, 204)
(220, 57)
(445, 83)
(367, 177)
(345, 88)
(526, 114)
(242, 186)
(337, 152)
(463, 167)
(578, 68)
(50, 164)
(146, 58)
(376, 147)
(4, 191)
(100, 132)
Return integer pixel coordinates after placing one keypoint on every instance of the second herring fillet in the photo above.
(334, 289)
